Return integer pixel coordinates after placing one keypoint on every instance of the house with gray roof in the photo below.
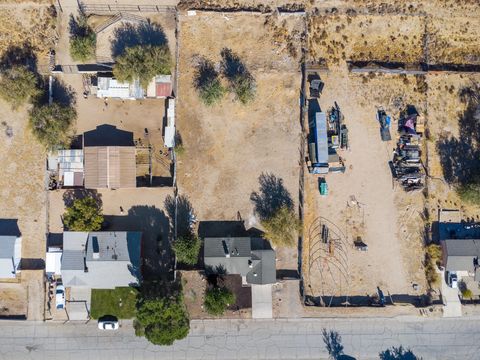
(101, 260)
(10, 256)
(236, 255)
(460, 241)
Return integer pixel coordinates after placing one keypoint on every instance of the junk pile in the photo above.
(406, 164)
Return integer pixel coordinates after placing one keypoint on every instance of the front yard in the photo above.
(119, 302)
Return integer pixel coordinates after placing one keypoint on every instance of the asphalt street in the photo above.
(440, 338)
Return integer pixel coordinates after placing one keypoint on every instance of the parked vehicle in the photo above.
(384, 121)
(60, 296)
(452, 280)
(108, 323)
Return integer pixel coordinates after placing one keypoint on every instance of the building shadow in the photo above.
(143, 33)
(154, 225)
(272, 196)
(225, 228)
(9, 227)
(32, 264)
(108, 135)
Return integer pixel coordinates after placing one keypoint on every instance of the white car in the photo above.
(108, 323)
(60, 297)
(452, 280)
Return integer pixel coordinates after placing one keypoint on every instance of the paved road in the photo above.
(443, 338)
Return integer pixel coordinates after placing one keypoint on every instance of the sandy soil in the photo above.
(229, 145)
(383, 211)
(32, 25)
(13, 300)
(23, 191)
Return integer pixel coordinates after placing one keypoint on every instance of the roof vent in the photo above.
(95, 248)
(226, 251)
(250, 264)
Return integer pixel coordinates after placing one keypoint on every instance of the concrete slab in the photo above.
(453, 307)
(262, 301)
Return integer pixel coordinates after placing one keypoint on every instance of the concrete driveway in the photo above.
(453, 306)
(262, 301)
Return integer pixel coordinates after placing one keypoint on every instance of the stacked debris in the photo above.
(406, 164)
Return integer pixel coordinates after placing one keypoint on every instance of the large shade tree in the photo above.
(142, 62)
(84, 215)
(18, 85)
(53, 124)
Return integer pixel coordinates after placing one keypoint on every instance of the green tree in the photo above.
(208, 84)
(282, 227)
(470, 191)
(84, 215)
(162, 320)
(186, 248)
(52, 124)
(467, 293)
(18, 85)
(218, 299)
(142, 62)
(82, 39)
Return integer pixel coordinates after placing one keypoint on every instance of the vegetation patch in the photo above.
(84, 215)
(218, 299)
(119, 302)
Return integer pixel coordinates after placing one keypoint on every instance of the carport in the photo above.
(262, 301)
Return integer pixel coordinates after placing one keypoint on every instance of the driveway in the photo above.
(262, 301)
(453, 306)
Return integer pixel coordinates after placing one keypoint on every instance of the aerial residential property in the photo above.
(277, 179)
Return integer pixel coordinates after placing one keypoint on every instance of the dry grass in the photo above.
(32, 25)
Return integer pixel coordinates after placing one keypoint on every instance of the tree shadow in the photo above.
(398, 354)
(156, 249)
(333, 343)
(130, 35)
(185, 214)
(70, 196)
(63, 94)
(78, 26)
(232, 65)
(272, 196)
(23, 54)
(205, 73)
(459, 156)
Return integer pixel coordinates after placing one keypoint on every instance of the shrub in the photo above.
(142, 62)
(187, 248)
(434, 253)
(18, 85)
(470, 192)
(82, 39)
(82, 48)
(52, 124)
(84, 215)
(243, 86)
(208, 84)
(281, 227)
(162, 320)
(218, 299)
(467, 293)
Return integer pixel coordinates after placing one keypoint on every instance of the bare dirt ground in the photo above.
(228, 146)
(384, 216)
(194, 286)
(13, 299)
(446, 146)
(23, 195)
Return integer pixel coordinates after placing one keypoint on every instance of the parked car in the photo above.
(452, 280)
(60, 296)
(108, 323)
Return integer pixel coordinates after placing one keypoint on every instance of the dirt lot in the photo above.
(386, 218)
(448, 151)
(228, 146)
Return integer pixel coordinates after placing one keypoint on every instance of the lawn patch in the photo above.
(119, 302)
